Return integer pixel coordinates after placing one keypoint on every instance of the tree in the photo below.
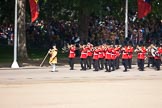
(22, 49)
(63, 9)
(7, 11)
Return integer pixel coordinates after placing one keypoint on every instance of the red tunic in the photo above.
(72, 52)
(117, 49)
(130, 52)
(160, 50)
(141, 54)
(125, 53)
(89, 52)
(113, 54)
(95, 54)
(158, 53)
(83, 53)
(100, 53)
(108, 54)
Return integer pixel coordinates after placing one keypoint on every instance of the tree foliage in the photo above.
(66, 9)
(79, 10)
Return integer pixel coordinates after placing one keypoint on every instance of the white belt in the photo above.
(83, 53)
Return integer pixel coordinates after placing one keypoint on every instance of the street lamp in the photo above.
(15, 64)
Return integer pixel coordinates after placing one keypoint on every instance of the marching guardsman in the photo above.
(124, 51)
(141, 50)
(157, 57)
(160, 50)
(89, 54)
(117, 49)
(83, 57)
(95, 58)
(101, 57)
(108, 58)
(130, 55)
(150, 56)
(113, 58)
(53, 57)
(72, 49)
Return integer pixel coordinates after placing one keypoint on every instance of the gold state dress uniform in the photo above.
(53, 58)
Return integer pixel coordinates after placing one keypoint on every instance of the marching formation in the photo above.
(107, 56)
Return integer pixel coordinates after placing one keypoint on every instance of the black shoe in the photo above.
(141, 69)
(158, 69)
(71, 69)
(124, 70)
(95, 70)
(82, 69)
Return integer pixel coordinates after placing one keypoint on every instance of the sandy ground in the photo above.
(39, 88)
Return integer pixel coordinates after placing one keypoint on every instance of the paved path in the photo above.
(35, 74)
(37, 87)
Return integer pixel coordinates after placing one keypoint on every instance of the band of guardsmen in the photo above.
(107, 56)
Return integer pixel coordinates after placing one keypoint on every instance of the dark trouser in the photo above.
(113, 64)
(141, 64)
(77, 52)
(93, 63)
(117, 62)
(96, 66)
(108, 65)
(71, 63)
(130, 63)
(83, 63)
(89, 61)
(101, 63)
(157, 63)
(150, 61)
(125, 63)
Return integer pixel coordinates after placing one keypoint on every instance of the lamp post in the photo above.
(15, 64)
(126, 19)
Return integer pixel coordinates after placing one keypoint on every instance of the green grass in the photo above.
(36, 53)
(39, 54)
(6, 54)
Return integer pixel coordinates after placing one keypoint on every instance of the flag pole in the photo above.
(126, 19)
(15, 64)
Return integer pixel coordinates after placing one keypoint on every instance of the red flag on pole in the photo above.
(34, 9)
(144, 8)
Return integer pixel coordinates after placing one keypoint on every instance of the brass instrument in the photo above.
(154, 51)
(138, 49)
(66, 48)
(149, 51)
(94, 48)
(82, 46)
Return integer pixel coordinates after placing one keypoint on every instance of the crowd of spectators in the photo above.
(44, 33)
(113, 29)
(6, 34)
